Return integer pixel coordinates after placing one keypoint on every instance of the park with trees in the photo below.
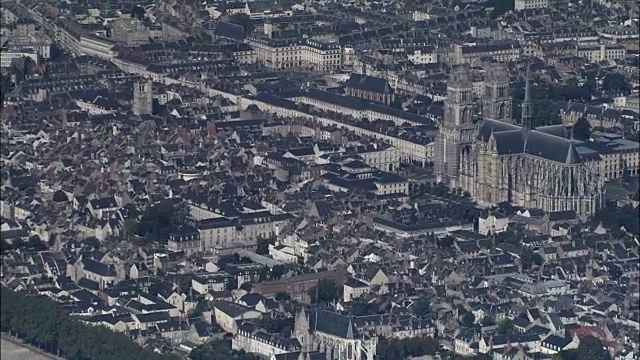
(41, 322)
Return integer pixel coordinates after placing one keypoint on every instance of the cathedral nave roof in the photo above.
(510, 139)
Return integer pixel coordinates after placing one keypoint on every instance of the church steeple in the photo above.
(526, 104)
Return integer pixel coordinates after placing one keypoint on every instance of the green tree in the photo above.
(529, 258)
(505, 327)
(616, 83)
(591, 348)
(277, 272)
(360, 307)
(52, 239)
(246, 287)
(422, 308)
(263, 246)
(468, 319)
(616, 217)
(282, 296)
(219, 349)
(325, 292)
(567, 355)
(130, 227)
(487, 321)
(393, 349)
(509, 237)
(92, 241)
(582, 129)
(40, 322)
(500, 7)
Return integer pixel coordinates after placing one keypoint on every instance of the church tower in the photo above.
(496, 103)
(143, 97)
(453, 146)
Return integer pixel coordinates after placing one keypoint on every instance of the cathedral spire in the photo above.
(526, 104)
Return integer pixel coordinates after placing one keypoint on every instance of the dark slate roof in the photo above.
(60, 196)
(556, 342)
(332, 323)
(252, 299)
(98, 268)
(229, 30)
(511, 139)
(369, 83)
(104, 203)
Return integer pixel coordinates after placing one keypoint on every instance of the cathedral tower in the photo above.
(453, 146)
(143, 97)
(496, 103)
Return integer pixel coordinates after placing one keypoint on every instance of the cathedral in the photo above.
(498, 161)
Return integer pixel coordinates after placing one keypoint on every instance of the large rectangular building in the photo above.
(280, 54)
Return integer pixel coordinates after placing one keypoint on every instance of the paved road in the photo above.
(13, 350)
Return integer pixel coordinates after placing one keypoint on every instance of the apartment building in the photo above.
(530, 4)
(383, 157)
(620, 156)
(422, 55)
(7, 56)
(597, 53)
(74, 38)
(279, 54)
(414, 146)
(244, 228)
(502, 51)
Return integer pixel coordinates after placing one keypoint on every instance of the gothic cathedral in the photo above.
(497, 161)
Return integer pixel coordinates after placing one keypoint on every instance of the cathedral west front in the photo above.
(498, 161)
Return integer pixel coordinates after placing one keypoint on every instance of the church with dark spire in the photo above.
(499, 161)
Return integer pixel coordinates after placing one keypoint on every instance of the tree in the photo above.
(582, 129)
(505, 327)
(500, 7)
(130, 227)
(529, 258)
(592, 348)
(616, 83)
(567, 355)
(393, 349)
(325, 292)
(263, 246)
(468, 319)
(509, 237)
(360, 307)
(243, 20)
(282, 296)
(219, 349)
(92, 241)
(246, 287)
(52, 240)
(422, 308)
(278, 325)
(158, 220)
(487, 321)
(42, 323)
(277, 272)
(137, 12)
(617, 217)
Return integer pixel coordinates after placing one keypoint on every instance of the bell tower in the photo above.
(143, 97)
(452, 149)
(496, 102)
